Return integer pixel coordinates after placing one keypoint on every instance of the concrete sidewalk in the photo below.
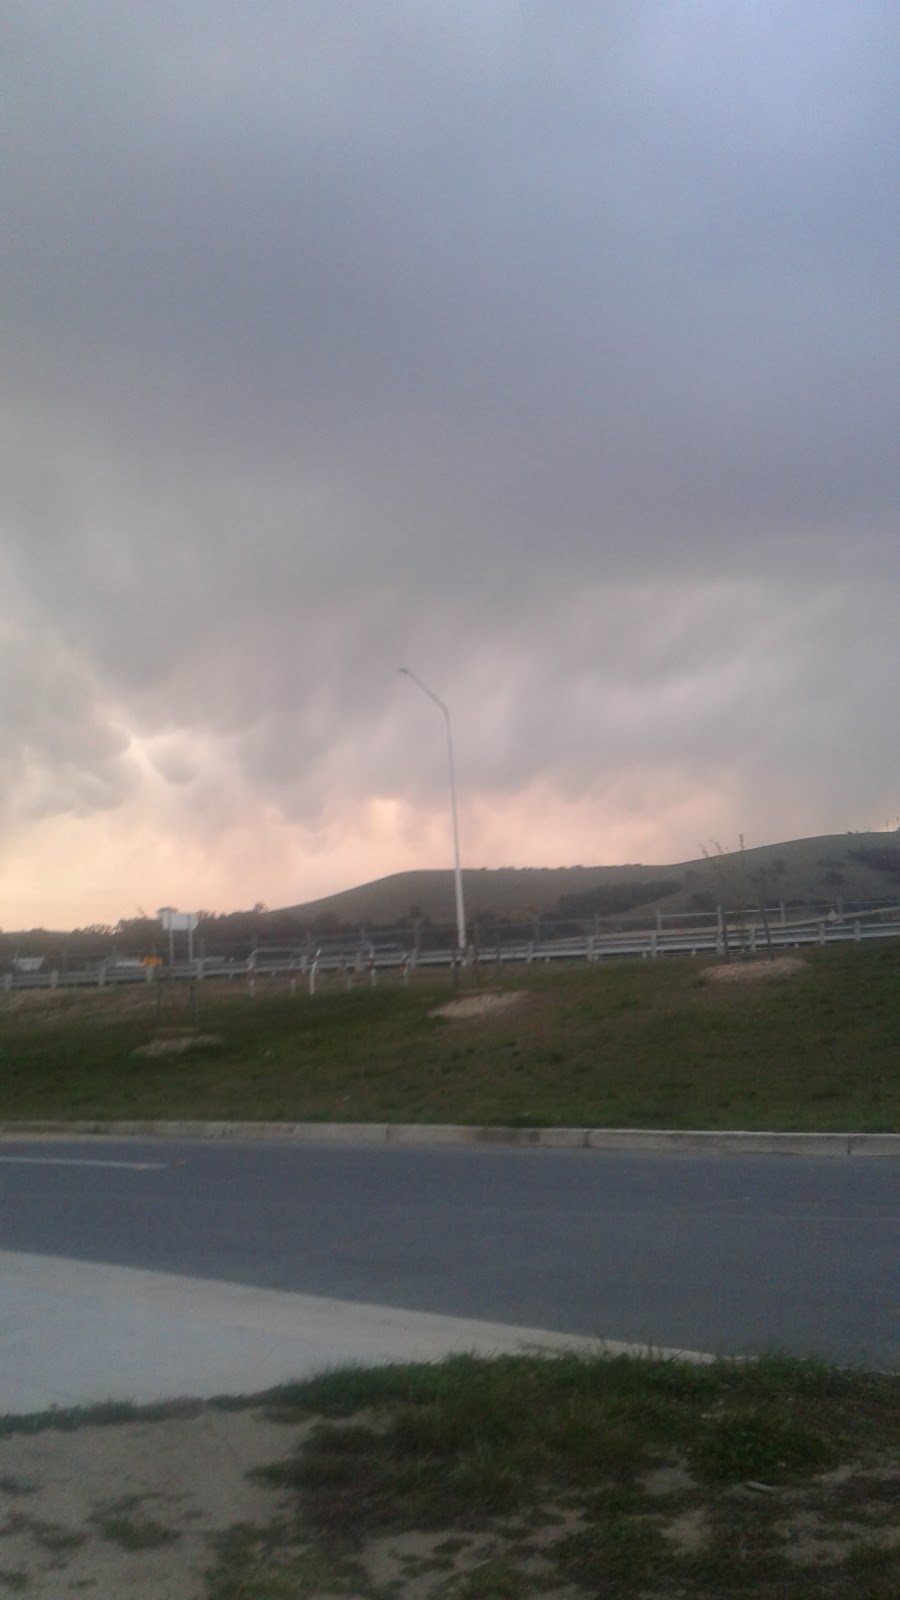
(75, 1333)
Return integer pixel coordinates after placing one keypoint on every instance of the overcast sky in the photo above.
(549, 347)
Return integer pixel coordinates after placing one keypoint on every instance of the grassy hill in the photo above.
(848, 870)
(645, 1044)
(858, 868)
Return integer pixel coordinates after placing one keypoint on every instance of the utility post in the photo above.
(457, 870)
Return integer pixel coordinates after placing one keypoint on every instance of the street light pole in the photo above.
(457, 870)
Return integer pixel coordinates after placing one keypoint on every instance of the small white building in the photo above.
(25, 964)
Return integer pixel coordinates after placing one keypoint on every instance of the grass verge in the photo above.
(630, 1044)
(517, 1478)
(520, 1477)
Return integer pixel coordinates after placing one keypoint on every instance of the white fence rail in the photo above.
(362, 963)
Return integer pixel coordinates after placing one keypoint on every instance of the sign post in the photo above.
(172, 922)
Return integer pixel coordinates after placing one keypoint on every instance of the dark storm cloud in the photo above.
(489, 337)
(58, 753)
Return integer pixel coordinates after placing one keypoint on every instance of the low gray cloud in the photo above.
(551, 349)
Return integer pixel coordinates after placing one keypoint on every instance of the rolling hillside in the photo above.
(849, 871)
(852, 867)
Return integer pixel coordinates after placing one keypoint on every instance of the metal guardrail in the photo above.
(361, 964)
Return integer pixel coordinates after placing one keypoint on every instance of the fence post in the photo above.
(54, 979)
(857, 932)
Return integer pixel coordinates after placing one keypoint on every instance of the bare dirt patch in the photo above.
(754, 971)
(133, 1508)
(477, 1005)
(177, 1045)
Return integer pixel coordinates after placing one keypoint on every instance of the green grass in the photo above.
(645, 1044)
(135, 1533)
(252, 1566)
(544, 1469)
(523, 1477)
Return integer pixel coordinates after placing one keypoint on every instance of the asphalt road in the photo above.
(726, 1254)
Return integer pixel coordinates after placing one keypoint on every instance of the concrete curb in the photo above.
(688, 1140)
